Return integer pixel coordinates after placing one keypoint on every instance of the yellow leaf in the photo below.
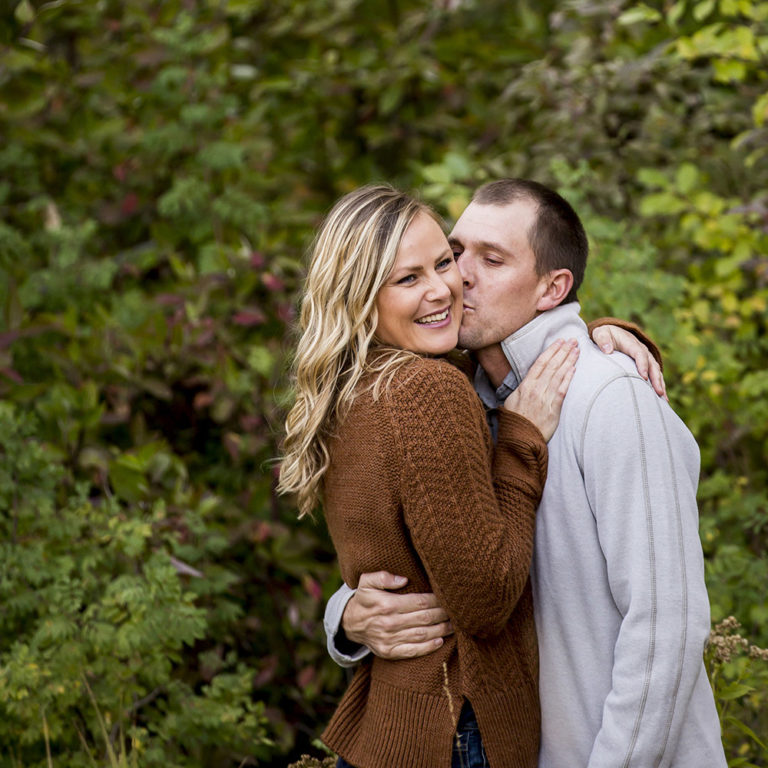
(760, 110)
(759, 303)
(456, 205)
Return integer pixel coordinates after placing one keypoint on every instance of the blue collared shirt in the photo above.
(492, 398)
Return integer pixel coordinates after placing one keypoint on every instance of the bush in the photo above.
(162, 168)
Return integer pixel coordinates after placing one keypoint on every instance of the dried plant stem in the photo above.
(47, 738)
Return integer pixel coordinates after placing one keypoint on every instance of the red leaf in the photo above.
(272, 282)
(12, 375)
(202, 400)
(267, 672)
(120, 171)
(314, 590)
(169, 299)
(306, 676)
(286, 312)
(129, 204)
(249, 317)
(233, 442)
(261, 531)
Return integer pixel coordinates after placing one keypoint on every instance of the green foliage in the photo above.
(162, 168)
(738, 674)
(97, 613)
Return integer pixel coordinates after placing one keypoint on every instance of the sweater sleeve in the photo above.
(471, 524)
(635, 330)
(641, 469)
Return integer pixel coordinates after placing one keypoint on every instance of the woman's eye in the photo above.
(406, 279)
(445, 263)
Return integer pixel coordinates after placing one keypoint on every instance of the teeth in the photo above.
(433, 318)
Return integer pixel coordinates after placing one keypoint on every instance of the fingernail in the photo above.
(606, 348)
(400, 580)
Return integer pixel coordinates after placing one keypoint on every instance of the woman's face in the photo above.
(420, 304)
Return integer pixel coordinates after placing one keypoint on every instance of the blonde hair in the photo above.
(352, 256)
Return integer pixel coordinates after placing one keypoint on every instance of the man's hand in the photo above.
(610, 337)
(394, 626)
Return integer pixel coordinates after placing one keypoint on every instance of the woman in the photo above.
(393, 441)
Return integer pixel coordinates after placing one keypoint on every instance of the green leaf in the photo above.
(261, 360)
(760, 110)
(662, 203)
(727, 71)
(732, 691)
(746, 730)
(652, 178)
(222, 155)
(390, 98)
(639, 13)
(24, 12)
(676, 12)
(687, 178)
(128, 482)
(703, 9)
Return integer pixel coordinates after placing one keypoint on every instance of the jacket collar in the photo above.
(523, 347)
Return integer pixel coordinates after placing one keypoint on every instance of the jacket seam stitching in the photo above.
(684, 583)
(653, 586)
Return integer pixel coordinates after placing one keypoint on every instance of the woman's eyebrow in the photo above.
(407, 268)
(419, 267)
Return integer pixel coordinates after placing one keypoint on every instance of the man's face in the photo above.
(497, 265)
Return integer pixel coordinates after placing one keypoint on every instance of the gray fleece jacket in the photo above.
(622, 612)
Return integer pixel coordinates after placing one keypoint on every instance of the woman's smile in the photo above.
(437, 320)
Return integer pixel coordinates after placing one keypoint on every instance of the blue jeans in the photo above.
(468, 749)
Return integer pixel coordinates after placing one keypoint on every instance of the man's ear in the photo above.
(557, 285)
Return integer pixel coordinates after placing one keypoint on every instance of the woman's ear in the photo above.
(557, 285)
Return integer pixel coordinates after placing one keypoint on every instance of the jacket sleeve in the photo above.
(641, 468)
(471, 523)
(334, 611)
(635, 330)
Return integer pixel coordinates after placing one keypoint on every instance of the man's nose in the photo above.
(465, 269)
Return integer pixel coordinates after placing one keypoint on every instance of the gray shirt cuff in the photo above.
(332, 625)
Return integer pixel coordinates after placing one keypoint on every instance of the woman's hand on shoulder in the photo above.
(539, 398)
(611, 337)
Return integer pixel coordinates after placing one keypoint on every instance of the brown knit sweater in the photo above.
(415, 488)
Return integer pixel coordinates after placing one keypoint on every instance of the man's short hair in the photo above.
(557, 237)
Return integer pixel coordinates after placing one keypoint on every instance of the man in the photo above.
(620, 602)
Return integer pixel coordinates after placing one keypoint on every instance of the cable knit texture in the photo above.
(415, 488)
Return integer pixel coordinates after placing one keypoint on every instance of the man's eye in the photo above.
(456, 255)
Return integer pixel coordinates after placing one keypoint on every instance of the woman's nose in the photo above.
(438, 289)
